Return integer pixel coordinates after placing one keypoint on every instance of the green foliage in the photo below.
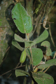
(47, 64)
(23, 56)
(24, 25)
(53, 61)
(45, 44)
(37, 55)
(14, 43)
(43, 78)
(42, 37)
(28, 44)
(21, 19)
(48, 49)
(48, 52)
(40, 77)
(20, 39)
(21, 73)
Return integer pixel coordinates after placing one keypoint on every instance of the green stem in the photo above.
(31, 61)
(29, 9)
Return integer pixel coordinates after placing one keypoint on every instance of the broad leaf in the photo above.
(42, 37)
(21, 19)
(43, 78)
(21, 73)
(45, 44)
(37, 55)
(47, 64)
(14, 43)
(48, 52)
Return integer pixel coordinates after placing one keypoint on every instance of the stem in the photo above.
(31, 61)
(47, 69)
(29, 9)
(11, 70)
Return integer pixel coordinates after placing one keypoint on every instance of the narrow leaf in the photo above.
(42, 37)
(18, 38)
(47, 64)
(21, 19)
(43, 66)
(14, 43)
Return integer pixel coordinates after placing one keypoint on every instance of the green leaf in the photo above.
(47, 64)
(14, 43)
(48, 52)
(45, 44)
(42, 37)
(18, 38)
(43, 78)
(52, 61)
(21, 19)
(43, 66)
(23, 56)
(37, 55)
(21, 73)
(28, 44)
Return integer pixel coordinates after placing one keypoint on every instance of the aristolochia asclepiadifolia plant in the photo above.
(24, 24)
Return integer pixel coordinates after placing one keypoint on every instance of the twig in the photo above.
(17, 64)
(11, 70)
(9, 75)
(51, 35)
(47, 69)
(31, 57)
(8, 48)
(42, 70)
